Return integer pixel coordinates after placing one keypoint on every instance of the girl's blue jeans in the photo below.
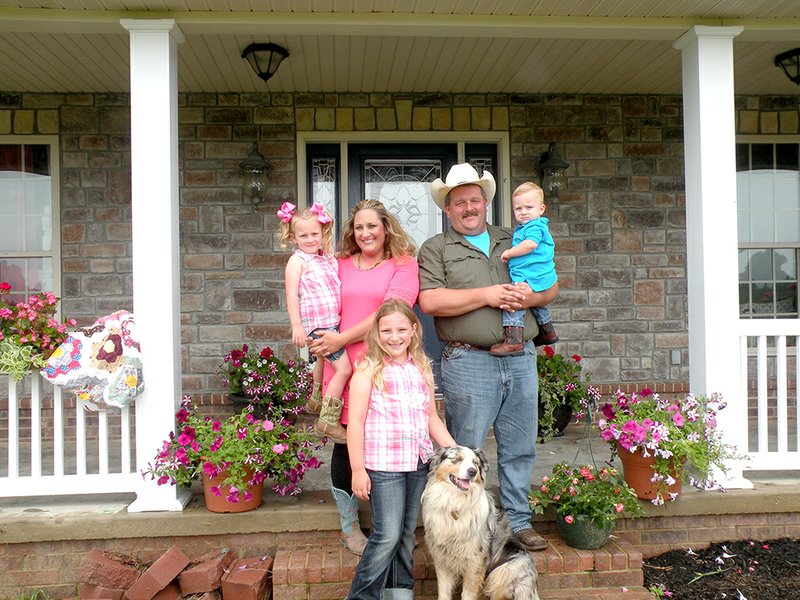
(386, 562)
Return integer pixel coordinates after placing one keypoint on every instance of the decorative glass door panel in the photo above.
(403, 186)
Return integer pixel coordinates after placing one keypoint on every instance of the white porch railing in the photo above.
(55, 447)
(770, 362)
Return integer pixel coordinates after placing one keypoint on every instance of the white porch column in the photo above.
(156, 266)
(711, 230)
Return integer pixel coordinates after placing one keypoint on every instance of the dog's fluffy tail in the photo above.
(512, 579)
(510, 575)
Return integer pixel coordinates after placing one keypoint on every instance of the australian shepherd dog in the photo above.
(470, 539)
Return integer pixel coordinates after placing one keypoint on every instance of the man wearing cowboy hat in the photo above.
(464, 285)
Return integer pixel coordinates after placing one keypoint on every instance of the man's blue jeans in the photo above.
(481, 391)
(395, 503)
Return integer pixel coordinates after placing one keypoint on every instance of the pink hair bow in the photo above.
(322, 216)
(286, 211)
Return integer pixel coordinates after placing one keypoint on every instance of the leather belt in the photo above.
(469, 346)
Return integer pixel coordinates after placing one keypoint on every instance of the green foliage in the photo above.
(28, 331)
(265, 378)
(600, 495)
(681, 435)
(560, 384)
(271, 447)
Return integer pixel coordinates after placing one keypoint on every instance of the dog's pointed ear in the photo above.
(483, 459)
(437, 459)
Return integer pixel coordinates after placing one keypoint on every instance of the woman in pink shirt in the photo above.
(376, 262)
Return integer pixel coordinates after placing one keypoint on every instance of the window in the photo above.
(768, 201)
(28, 245)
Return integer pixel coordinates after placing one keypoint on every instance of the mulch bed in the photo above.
(746, 570)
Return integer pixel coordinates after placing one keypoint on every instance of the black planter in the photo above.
(562, 415)
(240, 402)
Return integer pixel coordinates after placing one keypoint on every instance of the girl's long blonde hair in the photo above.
(398, 244)
(374, 359)
(287, 230)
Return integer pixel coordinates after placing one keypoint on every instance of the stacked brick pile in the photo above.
(173, 576)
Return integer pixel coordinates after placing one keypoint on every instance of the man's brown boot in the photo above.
(513, 345)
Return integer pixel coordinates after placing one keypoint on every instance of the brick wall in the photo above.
(619, 227)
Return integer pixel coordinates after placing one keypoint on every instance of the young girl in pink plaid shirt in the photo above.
(392, 420)
(313, 300)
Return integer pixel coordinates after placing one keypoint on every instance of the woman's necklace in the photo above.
(360, 267)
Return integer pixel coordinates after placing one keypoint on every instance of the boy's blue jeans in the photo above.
(515, 318)
(386, 562)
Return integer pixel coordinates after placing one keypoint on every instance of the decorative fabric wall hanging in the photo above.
(101, 364)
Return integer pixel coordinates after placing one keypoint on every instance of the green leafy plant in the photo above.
(29, 331)
(37, 595)
(560, 384)
(271, 447)
(681, 434)
(266, 379)
(597, 494)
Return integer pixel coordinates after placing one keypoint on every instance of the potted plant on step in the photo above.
(29, 331)
(260, 378)
(587, 502)
(664, 442)
(562, 393)
(234, 456)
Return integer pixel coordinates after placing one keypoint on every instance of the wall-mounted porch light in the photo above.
(254, 171)
(551, 171)
(790, 63)
(265, 58)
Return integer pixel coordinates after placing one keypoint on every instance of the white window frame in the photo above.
(55, 185)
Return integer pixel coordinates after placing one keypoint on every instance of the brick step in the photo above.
(610, 593)
(325, 572)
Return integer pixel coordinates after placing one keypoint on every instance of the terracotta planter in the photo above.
(220, 504)
(638, 471)
(583, 533)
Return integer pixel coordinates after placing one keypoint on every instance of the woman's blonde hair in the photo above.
(374, 359)
(398, 244)
(287, 230)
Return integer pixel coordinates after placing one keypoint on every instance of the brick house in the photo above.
(147, 114)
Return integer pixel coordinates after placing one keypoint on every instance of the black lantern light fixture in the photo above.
(551, 171)
(265, 58)
(789, 61)
(254, 170)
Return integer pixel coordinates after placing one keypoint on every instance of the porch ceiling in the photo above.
(424, 46)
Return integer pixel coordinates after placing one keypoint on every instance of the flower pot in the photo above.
(638, 470)
(240, 401)
(220, 504)
(562, 415)
(583, 533)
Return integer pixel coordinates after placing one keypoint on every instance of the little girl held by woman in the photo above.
(313, 300)
(392, 420)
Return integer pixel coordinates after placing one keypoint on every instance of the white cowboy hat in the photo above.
(462, 174)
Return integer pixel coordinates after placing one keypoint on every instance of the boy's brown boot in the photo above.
(513, 345)
(328, 420)
(546, 336)
(314, 400)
